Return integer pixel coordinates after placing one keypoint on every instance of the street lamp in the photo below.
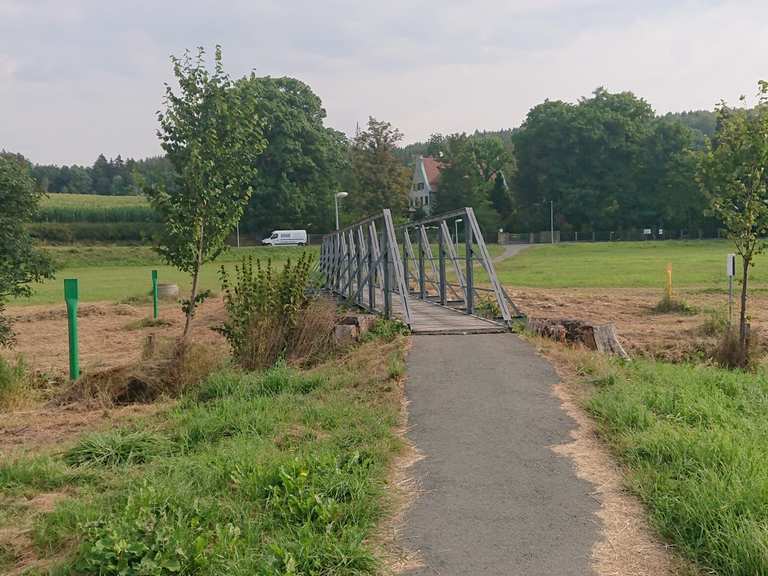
(336, 200)
(456, 231)
(552, 221)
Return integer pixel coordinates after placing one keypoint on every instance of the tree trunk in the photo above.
(743, 313)
(193, 292)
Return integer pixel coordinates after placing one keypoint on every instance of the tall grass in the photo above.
(695, 440)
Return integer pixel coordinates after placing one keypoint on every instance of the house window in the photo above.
(420, 186)
(426, 200)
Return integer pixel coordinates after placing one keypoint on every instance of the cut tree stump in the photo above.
(602, 337)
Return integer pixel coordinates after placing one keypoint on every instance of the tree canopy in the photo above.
(297, 174)
(20, 263)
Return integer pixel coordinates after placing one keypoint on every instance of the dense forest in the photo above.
(606, 162)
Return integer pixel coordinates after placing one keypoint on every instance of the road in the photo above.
(494, 499)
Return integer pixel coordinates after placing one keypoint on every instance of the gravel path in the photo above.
(494, 499)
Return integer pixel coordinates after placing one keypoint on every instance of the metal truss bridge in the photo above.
(418, 273)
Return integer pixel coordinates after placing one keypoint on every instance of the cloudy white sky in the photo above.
(80, 77)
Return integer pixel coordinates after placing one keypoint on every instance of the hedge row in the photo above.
(65, 233)
(97, 214)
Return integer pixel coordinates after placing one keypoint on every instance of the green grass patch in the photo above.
(695, 441)
(280, 472)
(120, 273)
(624, 265)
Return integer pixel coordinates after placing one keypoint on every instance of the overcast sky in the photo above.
(80, 77)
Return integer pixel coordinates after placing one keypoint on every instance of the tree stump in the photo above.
(602, 337)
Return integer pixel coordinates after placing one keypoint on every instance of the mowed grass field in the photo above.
(117, 273)
(624, 265)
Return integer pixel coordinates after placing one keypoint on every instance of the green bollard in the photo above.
(154, 292)
(71, 297)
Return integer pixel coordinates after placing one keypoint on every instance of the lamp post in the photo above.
(456, 232)
(336, 200)
(552, 221)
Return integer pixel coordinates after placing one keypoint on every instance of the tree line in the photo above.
(606, 162)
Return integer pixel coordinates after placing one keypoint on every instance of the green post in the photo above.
(71, 298)
(154, 293)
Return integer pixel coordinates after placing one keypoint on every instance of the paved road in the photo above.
(494, 500)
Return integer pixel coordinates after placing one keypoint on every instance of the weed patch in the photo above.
(268, 473)
(117, 447)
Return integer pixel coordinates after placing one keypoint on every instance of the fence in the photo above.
(544, 237)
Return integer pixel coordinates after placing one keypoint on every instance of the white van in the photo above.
(286, 238)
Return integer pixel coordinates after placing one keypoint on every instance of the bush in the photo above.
(69, 233)
(269, 314)
(671, 305)
(715, 324)
(728, 353)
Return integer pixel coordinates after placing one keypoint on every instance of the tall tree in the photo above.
(379, 179)
(20, 263)
(297, 175)
(212, 135)
(734, 172)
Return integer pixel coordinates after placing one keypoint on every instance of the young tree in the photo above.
(733, 173)
(212, 135)
(20, 263)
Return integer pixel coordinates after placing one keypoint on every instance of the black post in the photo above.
(441, 257)
(470, 297)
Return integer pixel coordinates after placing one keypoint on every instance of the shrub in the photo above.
(269, 314)
(715, 324)
(728, 353)
(671, 305)
(71, 232)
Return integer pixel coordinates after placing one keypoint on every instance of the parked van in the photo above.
(286, 238)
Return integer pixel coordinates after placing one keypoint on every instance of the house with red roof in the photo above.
(426, 178)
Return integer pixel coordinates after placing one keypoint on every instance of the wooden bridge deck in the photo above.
(431, 318)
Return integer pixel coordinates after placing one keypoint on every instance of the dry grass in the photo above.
(313, 335)
(167, 369)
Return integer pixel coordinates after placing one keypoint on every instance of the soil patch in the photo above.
(106, 340)
(642, 332)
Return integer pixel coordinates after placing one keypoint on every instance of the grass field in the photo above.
(116, 273)
(624, 265)
(280, 472)
(694, 441)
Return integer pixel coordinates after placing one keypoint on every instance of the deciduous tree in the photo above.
(734, 173)
(20, 263)
(212, 135)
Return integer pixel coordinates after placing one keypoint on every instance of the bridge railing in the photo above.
(449, 277)
(362, 263)
(374, 261)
